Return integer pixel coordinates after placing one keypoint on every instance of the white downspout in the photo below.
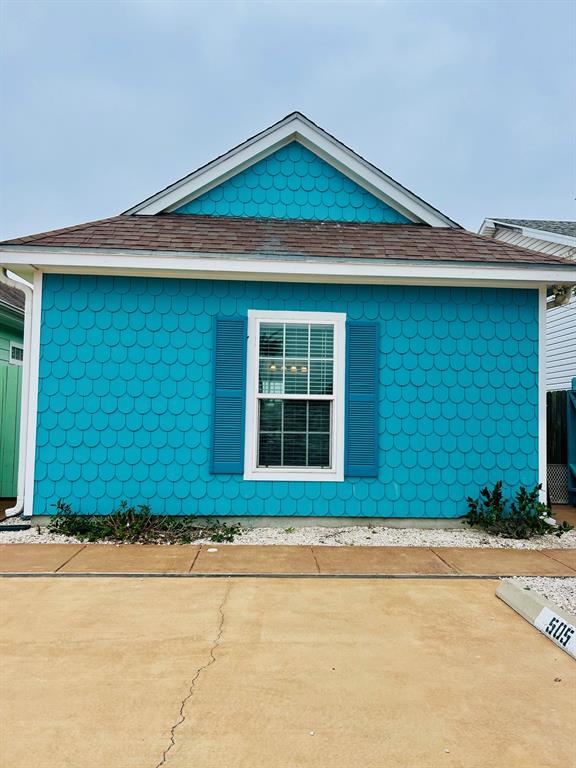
(25, 396)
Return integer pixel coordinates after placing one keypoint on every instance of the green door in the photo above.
(10, 388)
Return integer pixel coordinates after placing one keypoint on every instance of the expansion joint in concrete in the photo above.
(211, 660)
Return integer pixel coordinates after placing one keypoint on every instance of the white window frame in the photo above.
(334, 473)
(16, 345)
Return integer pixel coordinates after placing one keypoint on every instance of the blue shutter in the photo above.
(228, 412)
(361, 453)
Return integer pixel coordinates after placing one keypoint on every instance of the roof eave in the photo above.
(263, 266)
(490, 225)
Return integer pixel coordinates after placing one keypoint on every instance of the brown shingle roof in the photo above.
(12, 296)
(276, 237)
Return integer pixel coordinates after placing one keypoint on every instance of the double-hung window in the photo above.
(295, 396)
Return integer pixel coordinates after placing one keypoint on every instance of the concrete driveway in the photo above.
(277, 673)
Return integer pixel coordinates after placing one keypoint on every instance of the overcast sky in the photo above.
(469, 104)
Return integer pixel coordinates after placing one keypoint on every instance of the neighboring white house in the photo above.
(557, 238)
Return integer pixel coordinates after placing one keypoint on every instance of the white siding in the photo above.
(560, 322)
(561, 346)
(517, 238)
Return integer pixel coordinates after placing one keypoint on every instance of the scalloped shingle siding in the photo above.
(293, 183)
(126, 382)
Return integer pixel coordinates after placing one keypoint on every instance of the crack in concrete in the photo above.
(199, 671)
(452, 568)
(315, 559)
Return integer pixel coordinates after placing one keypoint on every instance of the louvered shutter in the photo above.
(361, 452)
(229, 396)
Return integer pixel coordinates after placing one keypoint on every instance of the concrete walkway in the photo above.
(277, 673)
(221, 559)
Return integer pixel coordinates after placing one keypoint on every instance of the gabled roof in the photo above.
(562, 232)
(294, 127)
(567, 228)
(278, 237)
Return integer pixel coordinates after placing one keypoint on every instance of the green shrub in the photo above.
(137, 525)
(526, 516)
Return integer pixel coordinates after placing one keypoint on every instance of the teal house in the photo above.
(286, 331)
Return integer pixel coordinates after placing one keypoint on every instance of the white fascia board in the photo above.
(242, 267)
(298, 128)
(552, 237)
(536, 234)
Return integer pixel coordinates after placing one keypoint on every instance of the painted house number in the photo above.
(558, 629)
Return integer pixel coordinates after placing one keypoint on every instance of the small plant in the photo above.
(291, 529)
(137, 525)
(222, 532)
(524, 517)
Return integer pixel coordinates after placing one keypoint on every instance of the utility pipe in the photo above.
(25, 395)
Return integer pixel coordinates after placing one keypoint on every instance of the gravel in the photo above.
(32, 536)
(562, 591)
(380, 536)
(375, 536)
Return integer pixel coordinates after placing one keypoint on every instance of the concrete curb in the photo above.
(555, 623)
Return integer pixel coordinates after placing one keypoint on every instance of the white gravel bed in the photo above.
(562, 591)
(375, 536)
(32, 536)
(380, 536)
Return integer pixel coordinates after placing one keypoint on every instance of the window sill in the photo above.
(294, 476)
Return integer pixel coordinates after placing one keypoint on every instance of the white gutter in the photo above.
(25, 395)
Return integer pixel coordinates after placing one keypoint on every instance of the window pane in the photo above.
(272, 340)
(271, 378)
(269, 450)
(296, 340)
(322, 341)
(294, 450)
(318, 450)
(295, 415)
(321, 377)
(270, 415)
(319, 416)
(296, 377)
